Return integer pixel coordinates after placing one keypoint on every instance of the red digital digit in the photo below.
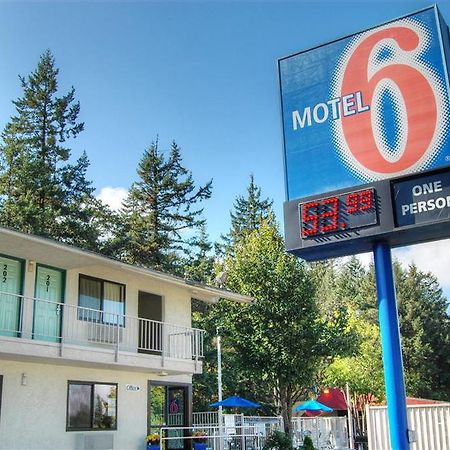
(310, 222)
(365, 200)
(330, 214)
(352, 202)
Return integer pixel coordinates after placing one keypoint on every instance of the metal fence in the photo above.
(45, 320)
(430, 425)
(326, 432)
(206, 418)
(216, 437)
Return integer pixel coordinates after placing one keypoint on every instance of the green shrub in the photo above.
(308, 443)
(278, 441)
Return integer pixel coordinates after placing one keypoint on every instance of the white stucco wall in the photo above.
(33, 417)
(176, 300)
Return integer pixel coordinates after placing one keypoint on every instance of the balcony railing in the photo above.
(44, 320)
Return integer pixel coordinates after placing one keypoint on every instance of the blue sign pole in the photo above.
(392, 352)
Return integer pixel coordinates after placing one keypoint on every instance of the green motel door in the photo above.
(10, 300)
(47, 305)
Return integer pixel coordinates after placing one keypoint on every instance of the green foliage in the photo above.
(278, 441)
(160, 216)
(363, 371)
(425, 332)
(280, 338)
(308, 443)
(283, 317)
(200, 265)
(424, 328)
(40, 191)
(249, 212)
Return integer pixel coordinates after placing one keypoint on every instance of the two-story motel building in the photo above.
(94, 353)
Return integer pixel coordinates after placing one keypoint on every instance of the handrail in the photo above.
(22, 316)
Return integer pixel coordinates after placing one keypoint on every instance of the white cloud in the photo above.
(431, 257)
(366, 259)
(112, 196)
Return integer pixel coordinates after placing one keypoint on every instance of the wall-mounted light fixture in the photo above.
(24, 379)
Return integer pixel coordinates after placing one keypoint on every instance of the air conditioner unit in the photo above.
(96, 441)
(104, 334)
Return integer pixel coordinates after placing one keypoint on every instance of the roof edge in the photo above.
(198, 290)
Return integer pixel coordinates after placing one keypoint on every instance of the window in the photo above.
(105, 297)
(91, 406)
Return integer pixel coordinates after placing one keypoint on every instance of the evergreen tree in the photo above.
(425, 332)
(200, 265)
(280, 340)
(40, 191)
(423, 318)
(84, 220)
(160, 215)
(249, 212)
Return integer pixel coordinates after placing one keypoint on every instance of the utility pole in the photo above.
(349, 416)
(219, 387)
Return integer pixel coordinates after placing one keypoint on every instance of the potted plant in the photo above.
(308, 443)
(199, 438)
(153, 441)
(278, 441)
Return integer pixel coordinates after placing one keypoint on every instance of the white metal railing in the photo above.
(325, 432)
(205, 418)
(215, 438)
(32, 318)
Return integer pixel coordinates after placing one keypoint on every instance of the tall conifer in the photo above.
(162, 212)
(249, 212)
(40, 191)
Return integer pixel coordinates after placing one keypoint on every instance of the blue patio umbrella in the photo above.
(313, 405)
(236, 402)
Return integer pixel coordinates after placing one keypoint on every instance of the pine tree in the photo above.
(40, 191)
(160, 216)
(249, 212)
(425, 332)
(200, 266)
(424, 325)
(84, 221)
(280, 339)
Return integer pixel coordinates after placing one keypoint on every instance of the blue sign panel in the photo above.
(422, 199)
(367, 107)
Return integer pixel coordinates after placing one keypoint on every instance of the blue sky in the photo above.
(202, 73)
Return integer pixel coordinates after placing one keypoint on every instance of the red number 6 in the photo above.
(418, 97)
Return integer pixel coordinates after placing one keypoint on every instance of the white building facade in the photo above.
(94, 353)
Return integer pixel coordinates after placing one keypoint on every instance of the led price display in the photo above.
(340, 213)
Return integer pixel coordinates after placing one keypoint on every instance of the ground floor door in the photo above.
(49, 294)
(10, 300)
(169, 406)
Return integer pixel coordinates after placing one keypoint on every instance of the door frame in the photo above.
(144, 291)
(187, 401)
(21, 286)
(150, 352)
(63, 292)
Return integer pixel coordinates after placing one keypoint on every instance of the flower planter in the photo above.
(153, 447)
(199, 445)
